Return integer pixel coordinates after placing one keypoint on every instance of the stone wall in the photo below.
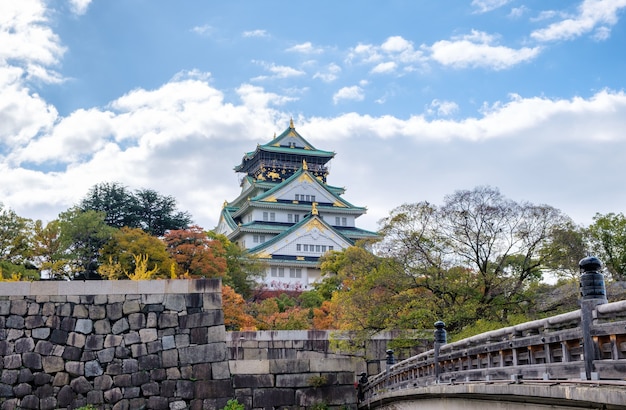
(113, 344)
(162, 344)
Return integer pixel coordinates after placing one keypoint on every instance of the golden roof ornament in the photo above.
(314, 209)
(304, 165)
(291, 123)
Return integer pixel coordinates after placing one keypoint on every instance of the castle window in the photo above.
(323, 248)
(308, 198)
(298, 247)
(281, 272)
(261, 238)
(297, 197)
(344, 221)
(255, 238)
(295, 272)
(318, 248)
(306, 247)
(312, 198)
(265, 216)
(290, 218)
(330, 247)
(337, 220)
(273, 216)
(296, 218)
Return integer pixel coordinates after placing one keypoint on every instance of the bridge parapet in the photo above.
(545, 349)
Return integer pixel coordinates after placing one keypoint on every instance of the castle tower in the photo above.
(286, 213)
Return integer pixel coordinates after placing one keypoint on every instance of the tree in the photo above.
(48, 250)
(114, 200)
(195, 254)
(132, 252)
(607, 234)
(15, 233)
(145, 208)
(235, 315)
(83, 233)
(242, 269)
(566, 247)
(156, 214)
(497, 247)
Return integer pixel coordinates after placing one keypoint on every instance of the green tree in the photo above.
(498, 246)
(144, 208)
(49, 252)
(115, 201)
(242, 269)
(565, 248)
(15, 233)
(607, 234)
(156, 214)
(83, 233)
(122, 254)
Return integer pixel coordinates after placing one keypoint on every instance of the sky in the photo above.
(418, 99)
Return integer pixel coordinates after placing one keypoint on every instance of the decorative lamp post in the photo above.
(441, 338)
(593, 293)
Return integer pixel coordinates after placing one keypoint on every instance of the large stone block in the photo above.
(32, 322)
(202, 319)
(333, 365)
(289, 366)
(84, 326)
(273, 397)
(24, 344)
(81, 385)
(120, 326)
(220, 370)
(253, 380)
(130, 306)
(32, 360)
(76, 339)
(212, 352)
(249, 366)
(295, 379)
(167, 320)
(175, 302)
(330, 395)
(206, 389)
(53, 364)
(19, 307)
(14, 322)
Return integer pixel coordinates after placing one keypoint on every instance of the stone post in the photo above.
(441, 339)
(391, 360)
(593, 293)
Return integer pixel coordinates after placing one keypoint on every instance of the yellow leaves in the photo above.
(15, 277)
(114, 270)
(141, 269)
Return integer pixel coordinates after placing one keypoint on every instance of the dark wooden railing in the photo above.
(546, 349)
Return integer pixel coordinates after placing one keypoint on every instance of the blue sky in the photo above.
(417, 98)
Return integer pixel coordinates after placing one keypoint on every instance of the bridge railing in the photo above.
(545, 349)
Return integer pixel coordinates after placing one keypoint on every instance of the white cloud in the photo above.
(255, 33)
(330, 74)
(384, 68)
(442, 108)
(79, 7)
(305, 48)
(484, 6)
(354, 93)
(204, 30)
(479, 49)
(27, 40)
(277, 71)
(591, 15)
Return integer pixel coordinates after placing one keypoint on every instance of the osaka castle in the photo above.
(287, 214)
